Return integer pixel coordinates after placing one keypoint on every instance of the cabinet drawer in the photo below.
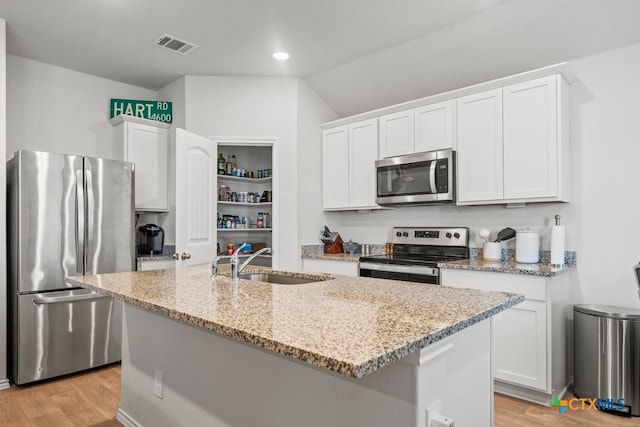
(533, 288)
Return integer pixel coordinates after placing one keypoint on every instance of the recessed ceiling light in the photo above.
(281, 56)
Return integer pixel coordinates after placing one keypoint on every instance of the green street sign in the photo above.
(160, 111)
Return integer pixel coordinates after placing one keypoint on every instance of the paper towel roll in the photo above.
(557, 245)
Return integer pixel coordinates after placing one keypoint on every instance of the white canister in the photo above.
(492, 251)
(527, 247)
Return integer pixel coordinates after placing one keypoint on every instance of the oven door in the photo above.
(417, 178)
(405, 273)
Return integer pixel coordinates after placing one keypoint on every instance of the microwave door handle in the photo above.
(80, 222)
(432, 176)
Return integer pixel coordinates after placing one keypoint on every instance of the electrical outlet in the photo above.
(157, 383)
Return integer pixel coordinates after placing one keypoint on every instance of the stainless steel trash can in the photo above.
(606, 356)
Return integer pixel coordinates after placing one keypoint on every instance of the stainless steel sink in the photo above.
(282, 279)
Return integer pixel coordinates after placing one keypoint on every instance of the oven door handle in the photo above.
(425, 271)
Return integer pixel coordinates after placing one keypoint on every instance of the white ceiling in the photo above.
(357, 54)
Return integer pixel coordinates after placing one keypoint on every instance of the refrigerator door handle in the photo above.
(89, 218)
(68, 299)
(80, 222)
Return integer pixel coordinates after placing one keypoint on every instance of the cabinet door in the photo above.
(363, 152)
(147, 147)
(196, 173)
(396, 134)
(531, 139)
(335, 168)
(520, 345)
(435, 127)
(480, 170)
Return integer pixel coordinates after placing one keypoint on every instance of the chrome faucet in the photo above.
(234, 262)
(235, 269)
(214, 266)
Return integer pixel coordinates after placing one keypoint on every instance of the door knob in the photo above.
(185, 256)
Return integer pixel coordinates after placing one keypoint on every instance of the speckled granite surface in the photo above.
(510, 266)
(350, 325)
(334, 257)
(167, 254)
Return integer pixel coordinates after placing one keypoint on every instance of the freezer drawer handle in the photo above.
(67, 299)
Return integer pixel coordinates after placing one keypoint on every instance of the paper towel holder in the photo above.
(557, 244)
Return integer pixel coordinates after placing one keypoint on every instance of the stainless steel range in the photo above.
(416, 253)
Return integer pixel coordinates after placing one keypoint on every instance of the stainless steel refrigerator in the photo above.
(66, 216)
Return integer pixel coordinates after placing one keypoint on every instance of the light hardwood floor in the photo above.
(86, 399)
(92, 399)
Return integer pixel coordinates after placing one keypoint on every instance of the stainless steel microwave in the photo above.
(416, 179)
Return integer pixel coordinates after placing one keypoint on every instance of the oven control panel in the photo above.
(441, 236)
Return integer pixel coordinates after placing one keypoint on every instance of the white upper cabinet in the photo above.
(427, 128)
(480, 172)
(363, 153)
(349, 176)
(513, 144)
(145, 143)
(396, 134)
(531, 139)
(435, 127)
(335, 168)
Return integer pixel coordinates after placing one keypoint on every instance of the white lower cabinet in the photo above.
(344, 268)
(156, 265)
(530, 343)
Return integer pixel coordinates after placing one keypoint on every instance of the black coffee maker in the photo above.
(150, 239)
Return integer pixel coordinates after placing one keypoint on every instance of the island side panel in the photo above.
(209, 380)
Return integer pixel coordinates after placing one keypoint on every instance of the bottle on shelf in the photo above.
(221, 164)
(228, 167)
(260, 220)
(234, 162)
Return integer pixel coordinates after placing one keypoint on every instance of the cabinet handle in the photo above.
(175, 256)
(185, 256)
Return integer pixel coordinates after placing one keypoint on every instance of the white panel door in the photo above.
(480, 168)
(335, 168)
(435, 127)
(363, 153)
(396, 134)
(196, 189)
(531, 139)
(520, 345)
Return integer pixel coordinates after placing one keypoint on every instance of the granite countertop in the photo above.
(350, 325)
(510, 266)
(333, 257)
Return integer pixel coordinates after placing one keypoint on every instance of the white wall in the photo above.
(61, 110)
(3, 237)
(254, 107)
(602, 218)
(312, 110)
(174, 92)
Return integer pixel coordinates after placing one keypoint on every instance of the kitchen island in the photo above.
(346, 351)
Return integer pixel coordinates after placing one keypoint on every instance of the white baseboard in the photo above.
(126, 420)
(539, 397)
(4, 384)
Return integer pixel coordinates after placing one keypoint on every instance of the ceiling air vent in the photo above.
(174, 44)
